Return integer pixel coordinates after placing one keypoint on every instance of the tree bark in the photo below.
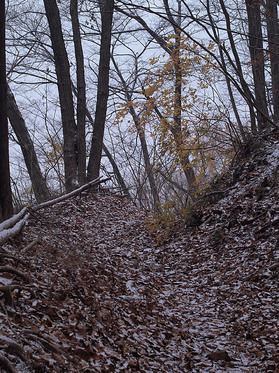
(93, 169)
(257, 59)
(62, 68)
(273, 44)
(6, 205)
(81, 95)
(27, 147)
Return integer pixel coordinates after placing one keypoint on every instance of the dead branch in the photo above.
(71, 194)
(44, 342)
(12, 227)
(4, 254)
(11, 232)
(13, 220)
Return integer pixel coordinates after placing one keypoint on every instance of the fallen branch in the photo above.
(15, 230)
(12, 347)
(12, 227)
(13, 220)
(4, 254)
(71, 194)
(44, 342)
(7, 291)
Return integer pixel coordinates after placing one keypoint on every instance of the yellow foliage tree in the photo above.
(185, 117)
(177, 105)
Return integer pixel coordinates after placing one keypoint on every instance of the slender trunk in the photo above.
(238, 69)
(93, 169)
(176, 128)
(62, 67)
(115, 168)
(144, 147)
(117, 173)
(273, 44)
(27, 147)
(81, 95)
(257, 59)
(6, 205)
(228, 82)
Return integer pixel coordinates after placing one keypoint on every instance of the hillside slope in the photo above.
(97, 294)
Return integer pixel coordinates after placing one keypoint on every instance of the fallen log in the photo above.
(13, 220)
(12, 232)
(12, 227)
(71, 194)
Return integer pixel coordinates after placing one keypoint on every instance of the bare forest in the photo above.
(139, 157)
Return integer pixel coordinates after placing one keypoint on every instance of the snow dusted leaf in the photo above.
(108, 298)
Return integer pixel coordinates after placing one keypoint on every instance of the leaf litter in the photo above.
(107, 298)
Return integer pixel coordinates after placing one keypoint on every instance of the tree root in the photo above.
(15, 271)
(44, 342)
(4, 254)
(32, 244)
(13, 348)
(7, 291)
(6, 364)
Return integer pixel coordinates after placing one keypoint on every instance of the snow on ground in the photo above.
(107, 298)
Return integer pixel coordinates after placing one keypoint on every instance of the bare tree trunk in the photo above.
(228, 82)
(273, 43)
(238, 69)
(115, 168)
(81, 95)
(93, 169)
(257, 59)
(62, 67)
(117, 173)
(6, 205)
(27, 147)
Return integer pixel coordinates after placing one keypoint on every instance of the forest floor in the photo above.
(101, 295)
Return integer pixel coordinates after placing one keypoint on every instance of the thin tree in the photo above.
(27, 147)
(273, 44)
(93, 169)
(81, 95)
(141, 133)
(257, 59)
(62, 67)
(6, 206)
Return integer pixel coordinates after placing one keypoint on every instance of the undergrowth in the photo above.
(170, 219)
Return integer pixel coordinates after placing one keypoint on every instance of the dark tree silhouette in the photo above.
(6, 207)
(93, 168)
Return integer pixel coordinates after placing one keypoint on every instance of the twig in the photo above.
(45, 343)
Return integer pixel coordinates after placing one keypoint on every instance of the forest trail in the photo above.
(106, 298)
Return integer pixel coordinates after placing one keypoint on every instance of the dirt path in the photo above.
(108, 299)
